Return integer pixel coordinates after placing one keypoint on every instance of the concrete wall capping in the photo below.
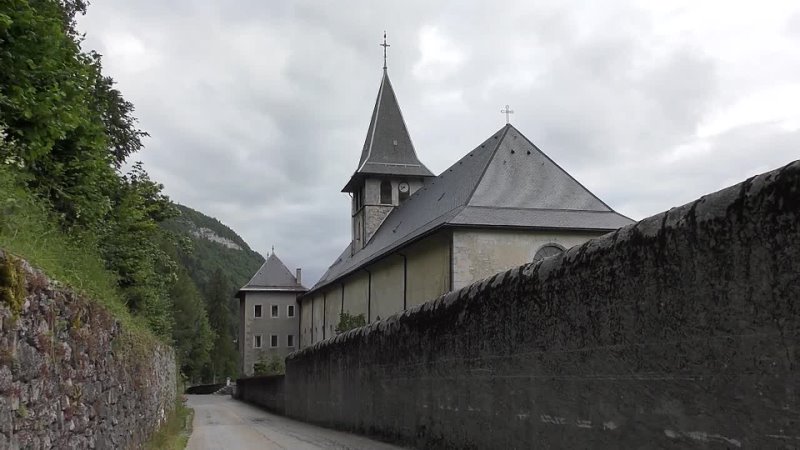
(678, 331)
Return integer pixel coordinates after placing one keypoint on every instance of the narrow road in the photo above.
(221, 422)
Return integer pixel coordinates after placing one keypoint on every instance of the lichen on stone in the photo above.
(12, 284)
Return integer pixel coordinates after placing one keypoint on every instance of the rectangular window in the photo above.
(273, 340)
(290, 311)
(290, 340)
(256, 311)
(257, 341)
(274, 311)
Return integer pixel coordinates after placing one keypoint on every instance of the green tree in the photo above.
(192, 333)
(269, 366)
(223, 354)
(349, 321)
(132, 246)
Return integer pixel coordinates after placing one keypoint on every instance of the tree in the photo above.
(192, 334)
(223, 355)
(349, 321)
(269, 366)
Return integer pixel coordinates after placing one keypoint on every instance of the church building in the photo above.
(268, 314)
(416, 236)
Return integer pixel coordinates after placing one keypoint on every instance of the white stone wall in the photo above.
(265, 326)
(428, 269)
(481, 253)
(387, 288)
(305, 322)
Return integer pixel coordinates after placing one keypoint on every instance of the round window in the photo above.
(547, 251)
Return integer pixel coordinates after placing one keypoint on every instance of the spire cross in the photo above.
(507, 112)
(384, 45)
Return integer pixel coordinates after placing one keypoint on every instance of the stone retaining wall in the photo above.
(70, 376)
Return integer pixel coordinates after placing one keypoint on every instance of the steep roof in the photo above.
(273, 276)
(504, 182)
(388, 149)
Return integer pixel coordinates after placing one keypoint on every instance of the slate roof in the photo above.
(504, 182)
(273, 276)
(388, 149)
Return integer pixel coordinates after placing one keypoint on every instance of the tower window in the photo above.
(386, 192)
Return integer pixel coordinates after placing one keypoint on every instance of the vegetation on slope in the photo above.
(202, 256)
(219, 262)
(73, 204)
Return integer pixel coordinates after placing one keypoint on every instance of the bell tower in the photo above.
(389, 170)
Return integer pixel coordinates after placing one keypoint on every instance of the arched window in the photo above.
(547, 251)
(386, 192)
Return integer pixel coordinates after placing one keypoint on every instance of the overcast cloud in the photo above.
(258, 110)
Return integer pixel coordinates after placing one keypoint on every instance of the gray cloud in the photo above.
(258, 110)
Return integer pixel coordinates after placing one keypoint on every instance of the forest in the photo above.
(75, 203)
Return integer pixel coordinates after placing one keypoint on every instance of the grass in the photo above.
(28, 231)
(174, 433)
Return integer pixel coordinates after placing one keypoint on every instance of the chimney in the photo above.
(297, 275)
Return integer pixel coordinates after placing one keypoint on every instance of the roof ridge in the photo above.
(273, 273)
(374, 120)
(566, 172)
(503, 130)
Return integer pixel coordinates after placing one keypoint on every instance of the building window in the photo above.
(257, 341)
(290, 340)
(273, 340)
(274, 311)
(257, 311)
(290, 311)
(547, 251)
(386, 192)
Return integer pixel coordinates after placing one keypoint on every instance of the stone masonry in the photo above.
(70, 376)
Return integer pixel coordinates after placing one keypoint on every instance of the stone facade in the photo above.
(283, 327)
(71, 376)
(413, 276)
(422, 271)
(479, 254)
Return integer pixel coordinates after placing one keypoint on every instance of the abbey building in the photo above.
(416, 236)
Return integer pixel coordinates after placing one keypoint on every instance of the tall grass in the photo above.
(29, 231)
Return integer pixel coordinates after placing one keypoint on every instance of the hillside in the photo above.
(208, 246)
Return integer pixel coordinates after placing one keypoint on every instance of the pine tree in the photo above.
(223, 361)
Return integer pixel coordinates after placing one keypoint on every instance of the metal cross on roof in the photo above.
(507, 111)
(384, 45)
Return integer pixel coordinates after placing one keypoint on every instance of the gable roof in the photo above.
(504, 182)
(273, 275)
(388, 149)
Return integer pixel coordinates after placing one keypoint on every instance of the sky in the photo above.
(257, 111)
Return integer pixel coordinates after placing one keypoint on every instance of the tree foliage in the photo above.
(349, 321)
(66, 136)
(223, 354)
(272, 365)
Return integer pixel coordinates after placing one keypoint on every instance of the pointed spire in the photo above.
(388, 149)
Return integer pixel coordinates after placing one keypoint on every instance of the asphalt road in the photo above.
(221, 422)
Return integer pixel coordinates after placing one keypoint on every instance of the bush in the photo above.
(269, 366)
(349, 321)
